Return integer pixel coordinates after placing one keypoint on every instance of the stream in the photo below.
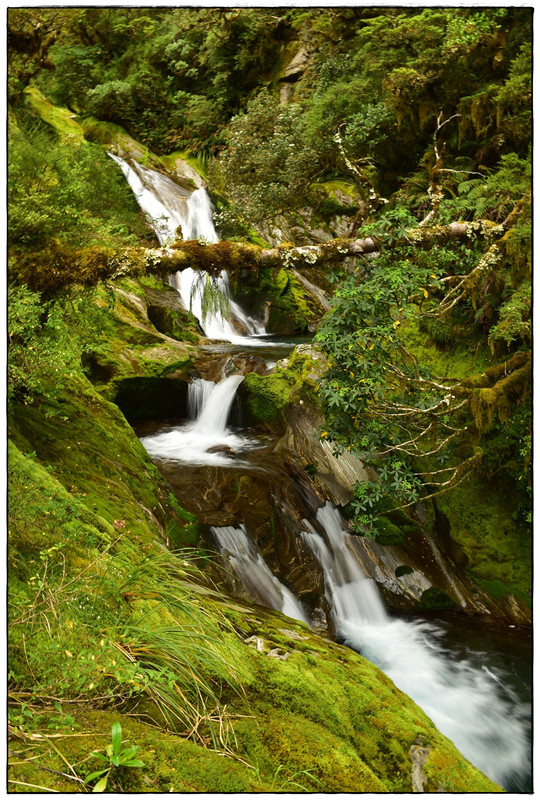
(472, 679)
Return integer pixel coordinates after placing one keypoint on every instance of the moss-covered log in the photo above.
(58, 265)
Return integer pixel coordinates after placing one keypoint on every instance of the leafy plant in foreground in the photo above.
(117, 756)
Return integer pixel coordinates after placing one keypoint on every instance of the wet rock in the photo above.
(222, 448)
(333, 477)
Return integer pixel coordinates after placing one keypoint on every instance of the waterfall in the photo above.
(199, 224)
(212, 420)
(199, 391)
(467, 702)
(164, 203)
(206, 439)
(191, 285)
(247, 562)
(168, 207)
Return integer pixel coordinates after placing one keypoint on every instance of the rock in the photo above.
(285, 93)
(296, 66)
(278, 653)
(222, 448)
(256, 642)
(419, 755)
(293, 634)
(186, 176)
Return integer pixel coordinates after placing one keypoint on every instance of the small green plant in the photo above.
(117, 756)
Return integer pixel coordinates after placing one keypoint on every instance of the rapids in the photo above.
(471, 698)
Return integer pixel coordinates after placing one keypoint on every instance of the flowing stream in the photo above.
(467, 693)
(168, 207)
(247, 562)
(468, 701)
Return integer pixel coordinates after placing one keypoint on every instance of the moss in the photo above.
(387, 533)
(498, 548)
(455, 361)
(115, 477)
(435, 598)
(195, 162)
(61, 119)
(403, 569)
(223, 255)
(266, 395)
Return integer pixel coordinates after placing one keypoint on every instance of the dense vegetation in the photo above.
(422, 114)
(398, 123)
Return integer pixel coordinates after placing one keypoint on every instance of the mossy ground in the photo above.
(61, 119)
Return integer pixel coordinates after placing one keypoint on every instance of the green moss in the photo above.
(434, 598)
(115, 477)
(403, 569)
(195, 162)
(61, 119)
(387, 533)
(452, 361)
(266, 395)
(498, 548)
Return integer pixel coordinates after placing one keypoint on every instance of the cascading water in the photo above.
(169, 207)
(468, 702)
(164, 203)
(191, 286)
(192, 442)
(199, 391)
(247, 562)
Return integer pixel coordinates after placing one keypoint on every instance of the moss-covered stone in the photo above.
(61, 119)
(266, 395)
(388, 533)
(498, 548)
(435, 598)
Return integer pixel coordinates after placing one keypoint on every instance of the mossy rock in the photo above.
(387, 533)
(61, 119)
(265, 395)
(498, 548)
(436, 599)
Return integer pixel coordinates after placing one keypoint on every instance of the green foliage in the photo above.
(383, 398)
(68, 192)
(118, 757)
(268, 161)
(46, 339)
(495, 197)
(514, 324)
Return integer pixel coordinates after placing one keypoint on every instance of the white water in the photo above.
(247, 562)
(164, 203)
(467, 702)
(167, 207)
(190, 442)
(199, 391)
(190, 284)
